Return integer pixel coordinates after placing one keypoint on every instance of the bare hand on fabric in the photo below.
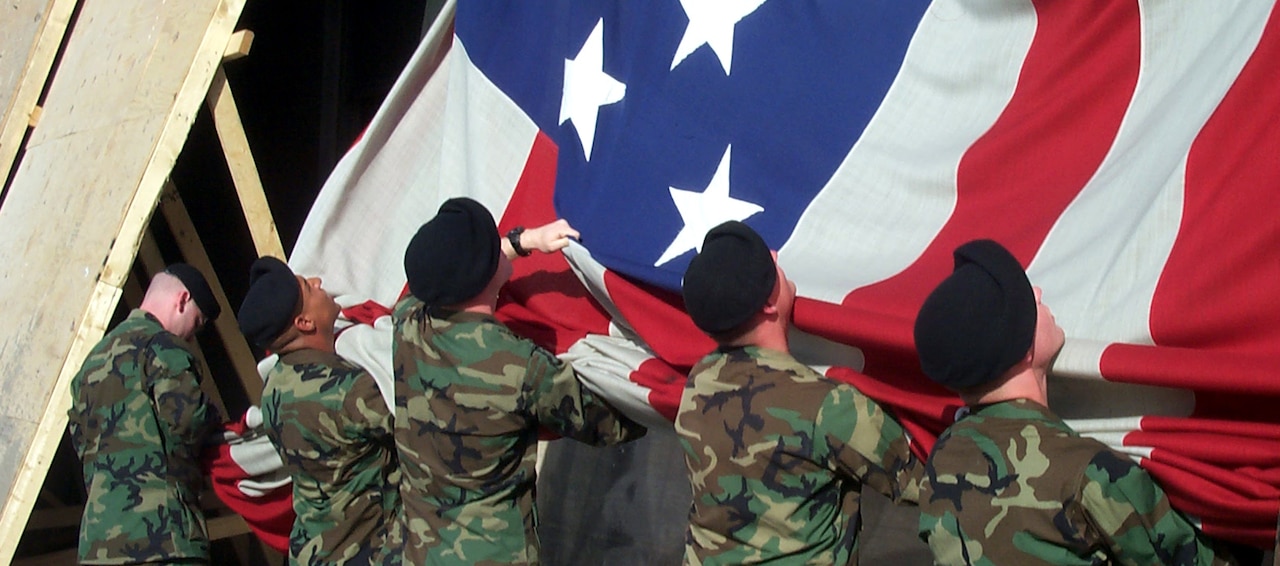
(548, 237)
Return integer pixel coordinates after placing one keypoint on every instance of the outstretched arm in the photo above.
(547, 238)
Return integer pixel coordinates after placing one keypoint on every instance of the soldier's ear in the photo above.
(304, 323)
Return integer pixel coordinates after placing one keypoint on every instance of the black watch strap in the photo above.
(514, 237)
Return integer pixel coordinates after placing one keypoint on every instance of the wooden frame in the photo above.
(36, 30)
(119, 108)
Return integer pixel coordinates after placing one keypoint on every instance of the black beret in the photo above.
(271, 303)
(980, 321)
(730, 279)
(197, 287)
(454, 255)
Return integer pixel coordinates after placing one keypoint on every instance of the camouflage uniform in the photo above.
(1011, 483)
(777, 457)
(470, 397)
(138, 421)
(334, 432)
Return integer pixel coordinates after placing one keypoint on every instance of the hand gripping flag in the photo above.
(1124, 151)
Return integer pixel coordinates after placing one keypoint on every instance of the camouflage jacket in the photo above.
(470, 398)
(138, 421)
(334, 432)
(777, 457)
(1011, 483)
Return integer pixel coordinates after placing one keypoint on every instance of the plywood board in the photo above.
(116, 116)
(30, 33)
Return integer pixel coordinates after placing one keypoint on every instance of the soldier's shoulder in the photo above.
(498, 336)
(346, 366)
(167, 340)
(405, 307)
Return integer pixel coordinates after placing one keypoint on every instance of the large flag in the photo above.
(1124, 151)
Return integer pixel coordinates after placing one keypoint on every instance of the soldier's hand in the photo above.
(548, 237)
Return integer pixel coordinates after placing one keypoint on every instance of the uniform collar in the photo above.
(1024, 409)
(308, 356)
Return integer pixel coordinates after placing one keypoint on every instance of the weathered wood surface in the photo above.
(117, 114)
(30, 33)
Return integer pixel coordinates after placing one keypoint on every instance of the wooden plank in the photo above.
(30, 34)
(175, 213)
(238, 46)
(116, 115)
(244, 172)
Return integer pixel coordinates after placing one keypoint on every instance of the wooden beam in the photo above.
(242, 358)
(244, 172)
(149, 259)
(30, 34)
(238, 46)
(34, 119)
(119, 110)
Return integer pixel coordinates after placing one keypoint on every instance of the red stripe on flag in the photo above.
(1048, 142)
(544, 300)
(665, 383)
(1216, 292)
(659, 317)
(1218, 499)
(1076, 83)
(1225, 451)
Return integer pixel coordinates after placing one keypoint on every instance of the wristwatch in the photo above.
(514, 237)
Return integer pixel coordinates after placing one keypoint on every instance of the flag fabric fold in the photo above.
(1122, 152)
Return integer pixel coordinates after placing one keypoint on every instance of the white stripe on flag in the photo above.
(1124, 222)
(352, 210)
(902, 170)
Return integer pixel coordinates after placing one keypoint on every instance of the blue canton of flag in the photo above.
(672, 117)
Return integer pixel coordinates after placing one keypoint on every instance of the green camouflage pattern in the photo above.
(470, 399)
(1012, 484)
(778, 455)
(335, 434)
(138, 421)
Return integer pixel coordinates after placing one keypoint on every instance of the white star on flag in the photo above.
(711, 22)
(703, 211)
(587, 87)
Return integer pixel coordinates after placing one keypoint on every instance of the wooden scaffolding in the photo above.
(98, 101)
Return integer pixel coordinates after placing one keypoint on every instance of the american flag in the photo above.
(1124, 151)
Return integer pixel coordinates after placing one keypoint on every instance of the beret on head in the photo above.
(271, 303)
(980, 321)
(454, 255)
(197, 287)
(730, 279)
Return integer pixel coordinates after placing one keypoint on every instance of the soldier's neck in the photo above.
(317, 341)
(1022, 385)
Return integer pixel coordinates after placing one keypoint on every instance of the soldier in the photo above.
(471, 395)
(328, 420)
(777, 453)
(1010, 482)
(138, 421)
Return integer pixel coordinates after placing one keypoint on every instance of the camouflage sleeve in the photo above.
(175, 389)
(565, 406)
(378, 420)
(1137, 521)
(870, 444)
